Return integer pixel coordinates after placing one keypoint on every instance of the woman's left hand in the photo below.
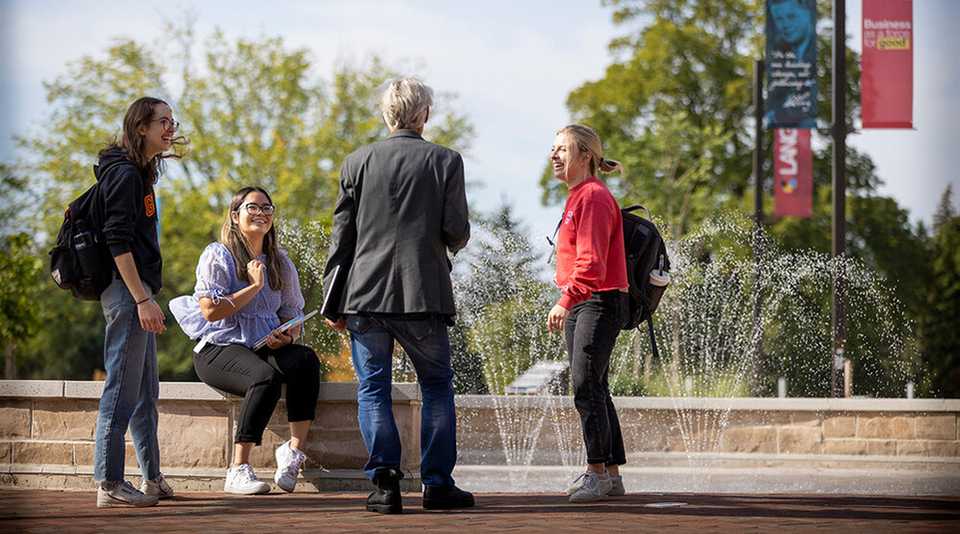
(279, 339)
(556, 318)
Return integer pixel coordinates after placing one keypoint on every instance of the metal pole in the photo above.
(839, 132)
(758, 140)
(757, 205)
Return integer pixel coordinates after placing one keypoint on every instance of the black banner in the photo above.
(791, 64)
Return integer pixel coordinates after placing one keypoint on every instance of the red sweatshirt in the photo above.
(590, 255)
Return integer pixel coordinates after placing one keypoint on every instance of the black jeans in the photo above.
(257, 376)
(591, 331)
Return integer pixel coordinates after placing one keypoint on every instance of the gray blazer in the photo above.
(400, 208)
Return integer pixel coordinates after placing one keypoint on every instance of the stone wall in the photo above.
(47, 432)
(747, 431)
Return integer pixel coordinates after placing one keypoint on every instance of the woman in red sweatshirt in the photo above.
(592, 277)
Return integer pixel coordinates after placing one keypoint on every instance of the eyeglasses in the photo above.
(256, 209)
(167, 124)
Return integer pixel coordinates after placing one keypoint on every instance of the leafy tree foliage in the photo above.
(255, 113)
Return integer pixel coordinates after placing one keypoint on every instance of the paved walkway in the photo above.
(63, 512)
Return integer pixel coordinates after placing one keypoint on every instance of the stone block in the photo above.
(42, 452)
(799, 440)
(15, 419)
(844, 426)
(762, 439)
(64, 420)
(918, 447)
(903, 427)
(83, 455)
(882, 447)
(937, 427)
(875, 427)
(758, 418)
(336, 416)
(193, 434)
(6, 453)
(845, 446)
(805, 419)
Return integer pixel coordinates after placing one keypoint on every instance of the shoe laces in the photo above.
(580, 477)
(127, 486)
(245, 473)
(296, 460)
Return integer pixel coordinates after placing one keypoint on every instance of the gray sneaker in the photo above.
(616, 486)
(158, 487)
(593, 488)
(577, 483)
(122, 493)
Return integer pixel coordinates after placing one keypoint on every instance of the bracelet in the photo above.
(142, 301)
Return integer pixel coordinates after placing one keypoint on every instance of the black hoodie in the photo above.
(130, 214)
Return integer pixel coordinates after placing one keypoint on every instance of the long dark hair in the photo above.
(233, 239)
(140, 113)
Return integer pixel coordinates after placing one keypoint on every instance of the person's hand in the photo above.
(257, 272)
(558, 314)
(340, 325)
(295, 331)
(279, 339)
(151, 316)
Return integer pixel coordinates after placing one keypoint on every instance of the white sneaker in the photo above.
(243, 481)
(158, 487)
(110, 494)
(289, 462)
(594, 487)
(616, 486)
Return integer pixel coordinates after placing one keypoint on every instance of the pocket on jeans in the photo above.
(357, 324)
(421, 329)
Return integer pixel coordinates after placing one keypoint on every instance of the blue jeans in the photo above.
(427, 344)
(130, 391)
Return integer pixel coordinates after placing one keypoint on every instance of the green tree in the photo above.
(675, 106)
(940, 340)
(255, 112)
(21, 273)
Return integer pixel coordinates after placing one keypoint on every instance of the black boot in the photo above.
(386, 500)
(446, 498)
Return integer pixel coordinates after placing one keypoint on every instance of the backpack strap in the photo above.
(633, 208)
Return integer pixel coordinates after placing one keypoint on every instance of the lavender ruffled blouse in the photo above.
(216, 279)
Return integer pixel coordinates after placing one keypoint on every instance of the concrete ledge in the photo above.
(31, 388)
(70, 389)
(69, 477)
(741, 403)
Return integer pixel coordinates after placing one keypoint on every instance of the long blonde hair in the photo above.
(233, 239)
(588, 142)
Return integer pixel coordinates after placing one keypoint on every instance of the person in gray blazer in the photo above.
(401, 213)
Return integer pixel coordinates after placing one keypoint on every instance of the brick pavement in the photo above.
(63, 512)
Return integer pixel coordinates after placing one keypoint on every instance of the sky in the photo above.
(511, 64)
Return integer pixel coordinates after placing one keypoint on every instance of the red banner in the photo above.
(792, 173)
(886, 77)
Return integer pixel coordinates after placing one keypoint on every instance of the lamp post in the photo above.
(839, 133)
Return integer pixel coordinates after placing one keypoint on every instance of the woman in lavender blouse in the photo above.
(246, 287)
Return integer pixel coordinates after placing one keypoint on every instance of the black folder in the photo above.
(331, 301)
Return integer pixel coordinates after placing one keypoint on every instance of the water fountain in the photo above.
(740, 313)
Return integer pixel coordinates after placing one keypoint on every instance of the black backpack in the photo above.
(646, 252)
(81, 262)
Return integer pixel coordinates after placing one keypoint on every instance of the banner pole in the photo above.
(839, 133)
(758, 141)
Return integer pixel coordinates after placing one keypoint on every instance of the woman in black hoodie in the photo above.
(127, 171)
